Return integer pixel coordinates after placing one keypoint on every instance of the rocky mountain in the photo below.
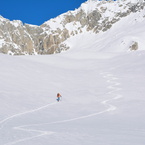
(17, 38)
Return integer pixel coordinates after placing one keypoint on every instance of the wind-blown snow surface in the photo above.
(102, 88)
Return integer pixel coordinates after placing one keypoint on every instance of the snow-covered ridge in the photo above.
(92, 16)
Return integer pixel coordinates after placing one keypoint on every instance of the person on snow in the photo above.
(58, 97)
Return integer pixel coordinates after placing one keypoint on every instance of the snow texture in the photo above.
(102, 86)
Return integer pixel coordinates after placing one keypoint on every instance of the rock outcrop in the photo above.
(134, 46)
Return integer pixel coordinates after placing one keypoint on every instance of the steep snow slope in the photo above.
(102, 88)
(120, 37)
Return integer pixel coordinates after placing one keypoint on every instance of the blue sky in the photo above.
(36, 11)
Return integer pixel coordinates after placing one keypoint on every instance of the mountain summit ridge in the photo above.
(94, 16)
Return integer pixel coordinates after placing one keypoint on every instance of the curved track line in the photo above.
(2, 122)
(67, 120)
(114, 88)
(40, 133)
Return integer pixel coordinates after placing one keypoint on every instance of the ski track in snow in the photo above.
(41, 133)
(23, 113)
(113, 87)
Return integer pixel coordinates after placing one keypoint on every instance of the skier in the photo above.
(58, 97)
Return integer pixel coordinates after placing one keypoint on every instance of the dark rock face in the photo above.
(134, 46)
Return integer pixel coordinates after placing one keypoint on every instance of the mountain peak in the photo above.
(92, 16)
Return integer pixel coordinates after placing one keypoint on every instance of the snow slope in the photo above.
(102, 86)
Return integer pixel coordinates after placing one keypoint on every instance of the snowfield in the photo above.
(102, 86)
